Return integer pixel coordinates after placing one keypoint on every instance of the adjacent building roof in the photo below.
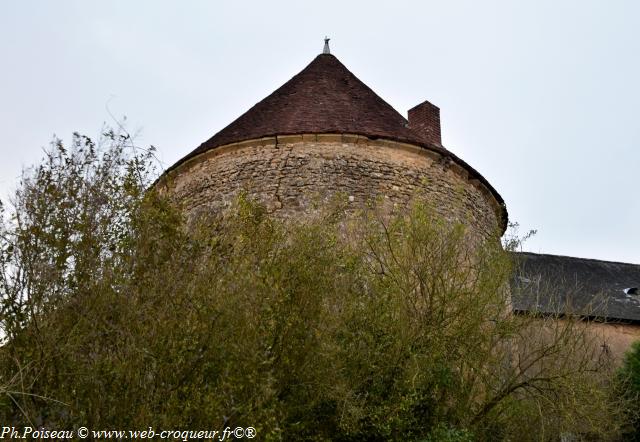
(325, 97)
(550, 284)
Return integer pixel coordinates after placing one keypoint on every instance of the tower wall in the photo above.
(291, 173)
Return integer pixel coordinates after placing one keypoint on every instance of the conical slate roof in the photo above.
(325, 97)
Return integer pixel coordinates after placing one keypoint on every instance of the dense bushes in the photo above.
(360, 327)
(629, 387)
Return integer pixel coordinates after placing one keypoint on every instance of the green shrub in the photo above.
(629, 386)
(119, 314)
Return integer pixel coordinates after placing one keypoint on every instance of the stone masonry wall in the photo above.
(291, 173)
(615, 338)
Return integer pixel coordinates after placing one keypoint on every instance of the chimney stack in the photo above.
(424, 120)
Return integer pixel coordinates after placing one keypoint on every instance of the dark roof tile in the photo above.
(325, 97)
(551, 284)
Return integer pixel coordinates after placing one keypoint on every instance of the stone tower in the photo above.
(322, 133)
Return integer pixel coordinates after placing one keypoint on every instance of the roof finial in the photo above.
(326, 46)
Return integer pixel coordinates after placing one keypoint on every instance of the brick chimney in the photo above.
(424, 120)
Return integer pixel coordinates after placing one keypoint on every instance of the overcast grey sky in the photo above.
(541, 97)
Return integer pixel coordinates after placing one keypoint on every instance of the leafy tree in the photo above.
(118, 313)
(629, 386)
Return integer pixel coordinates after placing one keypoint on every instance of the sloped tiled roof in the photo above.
(551, 284)
(325, 97)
